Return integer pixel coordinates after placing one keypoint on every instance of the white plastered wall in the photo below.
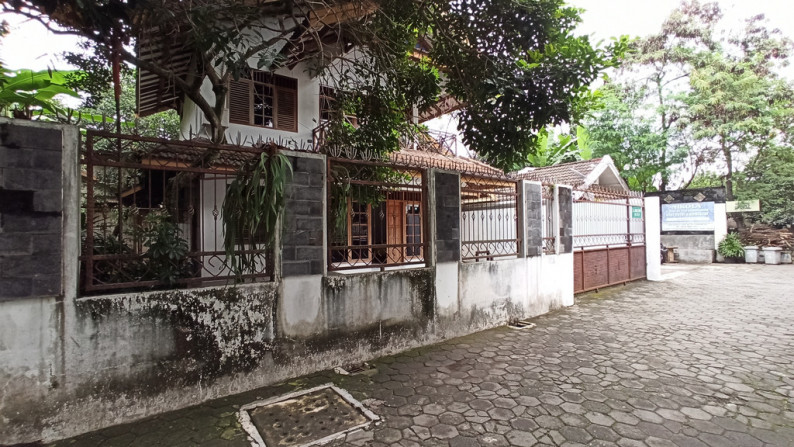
(653, 239)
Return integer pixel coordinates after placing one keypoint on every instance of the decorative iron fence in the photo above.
(376, 215)
(152, 213)
(604, 217)
(489, 218)
(549, 206)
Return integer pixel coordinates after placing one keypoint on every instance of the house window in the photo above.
(376, 216)
(413, 230)
(360, 231)
(327, 105)
(264, 99)
(389, 232)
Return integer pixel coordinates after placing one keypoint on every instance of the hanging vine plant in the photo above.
(254, 201)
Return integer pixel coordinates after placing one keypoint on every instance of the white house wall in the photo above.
(308, 108)
(308, 115)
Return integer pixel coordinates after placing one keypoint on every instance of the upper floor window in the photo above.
(264, 99)
(327, 105)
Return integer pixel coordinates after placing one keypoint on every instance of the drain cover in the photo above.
(522, 324)
(304, 418)
(354, 370)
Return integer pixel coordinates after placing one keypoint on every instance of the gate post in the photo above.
(531, 219)
(565, 223)
(653, 239)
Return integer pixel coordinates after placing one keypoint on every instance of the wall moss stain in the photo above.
(221, 329)
(385, 289)
(423, 283)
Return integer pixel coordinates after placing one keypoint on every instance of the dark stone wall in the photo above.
(447, 217)
(565, 204)
(302, 237)
(716, 195)
(31, 206)
(533, 222)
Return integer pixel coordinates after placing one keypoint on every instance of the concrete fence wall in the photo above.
(70, 365)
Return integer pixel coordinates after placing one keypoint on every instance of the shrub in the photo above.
(731, 246)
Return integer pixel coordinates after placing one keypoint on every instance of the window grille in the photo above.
(604, 217)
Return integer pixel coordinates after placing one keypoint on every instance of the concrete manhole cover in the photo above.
(304, 418)
(522, 324)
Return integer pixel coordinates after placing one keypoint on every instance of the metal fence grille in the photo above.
(606, 217)
(489, 218)
(376, 216)
(152, 213)
(549, 206)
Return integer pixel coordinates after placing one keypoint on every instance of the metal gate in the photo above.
(609, 238)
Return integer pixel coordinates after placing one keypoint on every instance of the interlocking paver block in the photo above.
(695, 361)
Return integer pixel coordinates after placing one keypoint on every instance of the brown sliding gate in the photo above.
(609, 238)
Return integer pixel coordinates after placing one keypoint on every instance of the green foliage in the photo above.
(731, 246)
(95, 76)
(689, 99)
(254, 199)
(554, 149)
(26, 93)
(103, 111)
(623, 128)
(706, 180)
(736, 107)
(770, 177)
(166, 257)
(531, 74)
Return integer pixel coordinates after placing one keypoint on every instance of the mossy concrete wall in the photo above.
(72, 367)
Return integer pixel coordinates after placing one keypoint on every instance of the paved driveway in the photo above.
(705, 358)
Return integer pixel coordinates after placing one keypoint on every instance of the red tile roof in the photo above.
(573, 174)
(429, 159)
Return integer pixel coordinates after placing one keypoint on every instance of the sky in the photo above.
(606, 18)
(30, 46)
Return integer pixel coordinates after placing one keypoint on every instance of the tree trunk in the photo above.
(665, 126)
(726, 151)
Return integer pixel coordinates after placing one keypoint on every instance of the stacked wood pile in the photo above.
(766, 236)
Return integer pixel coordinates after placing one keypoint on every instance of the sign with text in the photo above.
(636, 212)
(688, 216)
(743, 206)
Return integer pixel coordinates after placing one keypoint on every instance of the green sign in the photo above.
(743, 206)
(636, 212)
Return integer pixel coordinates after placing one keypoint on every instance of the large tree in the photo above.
(626, 128)
(737, 104)
(639, 120)
(515, 64)
(693, 99)
(769, 177)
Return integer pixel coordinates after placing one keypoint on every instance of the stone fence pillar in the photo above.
(39, 183)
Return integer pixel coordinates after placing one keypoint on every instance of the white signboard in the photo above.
(743, 206)
(688, 216)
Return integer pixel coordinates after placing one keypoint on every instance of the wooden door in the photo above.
(395, 231)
